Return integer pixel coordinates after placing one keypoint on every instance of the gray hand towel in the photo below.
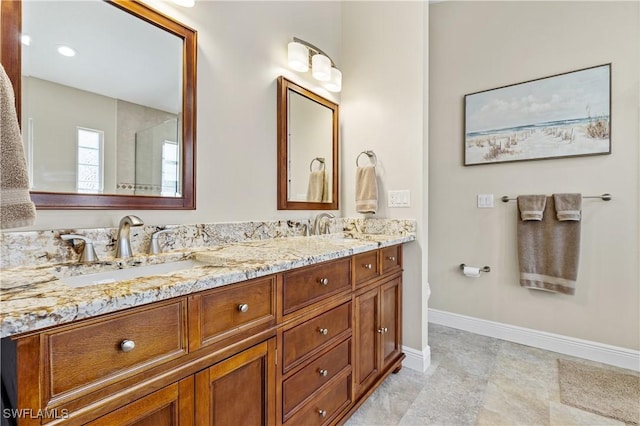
(549, 252)
(16, 208)
(366, 190)
(568, 206)
(531, 206)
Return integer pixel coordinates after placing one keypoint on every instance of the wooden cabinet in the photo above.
(170, 406)
(303, 347)
(377, 332)
(239, 390)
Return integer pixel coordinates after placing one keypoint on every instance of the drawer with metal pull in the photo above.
(92, 354)
(311, 284)
(301, 385)
(365, 266)
(326, 405)
(233, 311)
(391, 259)
(307, 339)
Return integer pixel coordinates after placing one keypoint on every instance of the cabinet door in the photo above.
(367, 337)
(239, 390)
(390, 320)
(169, 406)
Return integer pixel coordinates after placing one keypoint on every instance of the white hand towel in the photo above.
(366, 190)
(16, 208)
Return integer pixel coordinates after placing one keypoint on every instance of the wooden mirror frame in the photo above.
(11, 57)
(284, 86)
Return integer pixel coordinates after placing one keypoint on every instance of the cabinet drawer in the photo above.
(365, 266)
(323, 409)
(228, 311)
(86, 356)
(303, 340)
(306, 286)
(312, 377)
(391, 259)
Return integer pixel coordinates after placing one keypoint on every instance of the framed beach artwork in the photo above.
(565, 115)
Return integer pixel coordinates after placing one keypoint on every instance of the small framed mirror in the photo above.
(307, 149)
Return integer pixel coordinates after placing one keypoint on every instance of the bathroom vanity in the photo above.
(247, 339)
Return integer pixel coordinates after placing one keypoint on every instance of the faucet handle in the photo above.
(88, 253)
(154, 246)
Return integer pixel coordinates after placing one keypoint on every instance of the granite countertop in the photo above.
(33, 298)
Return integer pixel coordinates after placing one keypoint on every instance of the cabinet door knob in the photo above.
(323, 372)
(127, 345)
(324, 281)
(367, 266)
(243, 307)
(322, 413)
(381, 330)
(323, 331)
(392, 258)
(385, 329)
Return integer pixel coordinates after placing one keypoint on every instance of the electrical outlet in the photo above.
(401, 198)
(485, 201)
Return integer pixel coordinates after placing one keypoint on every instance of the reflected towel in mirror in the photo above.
(318, 191)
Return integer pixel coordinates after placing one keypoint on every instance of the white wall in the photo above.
(482, 45)
(242, 49)
(384, 110)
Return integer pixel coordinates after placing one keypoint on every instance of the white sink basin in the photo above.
(128, 273)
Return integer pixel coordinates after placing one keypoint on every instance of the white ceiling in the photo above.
(118, 55)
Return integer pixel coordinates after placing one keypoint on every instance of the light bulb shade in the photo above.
(298, 56)
(335, 82)
(321, 67)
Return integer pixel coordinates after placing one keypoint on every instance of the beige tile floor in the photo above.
(475, 380)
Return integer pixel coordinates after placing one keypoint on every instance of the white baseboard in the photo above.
(594, 351)
(417, 360)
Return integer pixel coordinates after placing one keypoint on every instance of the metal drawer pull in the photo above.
(322, 413)
(127, 345)
(323, 372)
(392, 258)
(324, 281)
(243, 307)
(323, 331)
(367, 266)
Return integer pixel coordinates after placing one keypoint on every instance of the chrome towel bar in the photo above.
(603, 197)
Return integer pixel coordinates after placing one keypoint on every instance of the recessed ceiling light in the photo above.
(185, 3)
(25, 39)
(66, 51)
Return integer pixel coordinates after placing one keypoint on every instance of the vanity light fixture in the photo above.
(302, 53)
(66, 51)
(185, 3)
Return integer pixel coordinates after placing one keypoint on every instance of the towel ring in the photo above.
(369, 154)
(319, 160)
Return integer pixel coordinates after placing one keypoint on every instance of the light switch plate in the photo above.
(485, 201)
(400, 198)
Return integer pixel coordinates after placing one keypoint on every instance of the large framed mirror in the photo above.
(307, 149)
(112, 125)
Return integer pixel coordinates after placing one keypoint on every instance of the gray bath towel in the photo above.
(568, 206)
(549, 252)
(16, 208)
(531, 206)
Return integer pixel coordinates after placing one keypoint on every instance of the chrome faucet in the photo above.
(123, 243)
(317, 223)
(154, 246)
(88, 253)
